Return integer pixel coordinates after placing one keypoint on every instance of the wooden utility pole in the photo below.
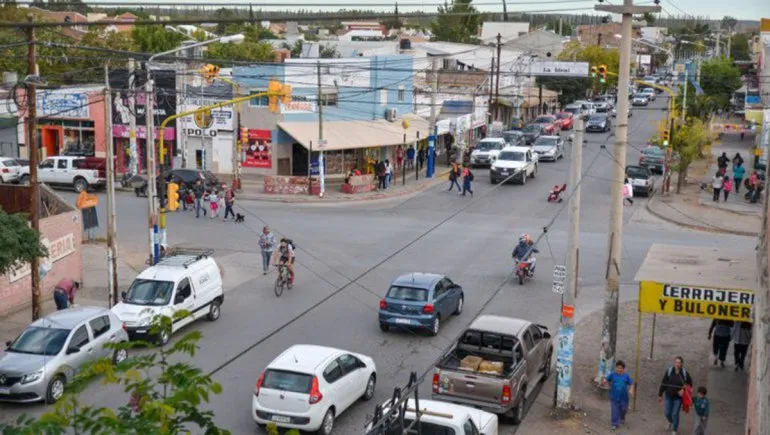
(132, 118)
(34, 188)
(497, 80)
(321, 143)
(112, 242)
(760, 364)
(432, 137)
(152, 186)
(491, 89)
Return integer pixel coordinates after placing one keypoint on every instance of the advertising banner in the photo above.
(165, 96)
(58, 104)
(258, 151)
(713, 303)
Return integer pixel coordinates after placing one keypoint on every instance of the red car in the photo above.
(550, 124)
(566, 120)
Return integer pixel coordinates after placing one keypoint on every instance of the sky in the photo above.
(716, 9)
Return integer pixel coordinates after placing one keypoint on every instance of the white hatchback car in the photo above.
(307, 386)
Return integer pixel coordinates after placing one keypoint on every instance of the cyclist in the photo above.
(523, 252)
(285, 257)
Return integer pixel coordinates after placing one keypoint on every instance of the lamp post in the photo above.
(160, 239)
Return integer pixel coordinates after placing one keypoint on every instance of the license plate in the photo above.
(141, 331)
(5, 391)
(504, 173)
(281, 419)
(403, 321)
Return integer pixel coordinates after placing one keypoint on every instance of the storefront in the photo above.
(122, 144)
(208, 136)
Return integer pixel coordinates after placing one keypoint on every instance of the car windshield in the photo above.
(513, 156)
(149, 292)
(511, 137)
(564, 115)
(648, 91)
(636, 172)
(283, 380)
(653, 151)
(572, 110)
(597, 119)
(40, 341)
(543, 120)
(408, 294)
(488, 145)
(11, 163)
(547, 141)
(532, 128)
(422, 427)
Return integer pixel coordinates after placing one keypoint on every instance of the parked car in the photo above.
(640, 100)
(441, 418)
(514, 163)
(599, 123)
(549, 148)
(81, 173)
(602, 107)
(495, 365)
(39, 362)
(641, 179)
(574, 109)
(550, 124)
(23, 171)
(532, 132)
(566, 120)
(486, 151)
(307, 387)
(181, 281)
(10, 170)
(650, 92)
(587, 107)
(653, 158)
(420, 301)
(514, 138)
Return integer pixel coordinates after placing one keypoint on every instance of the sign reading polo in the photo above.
(728, 304)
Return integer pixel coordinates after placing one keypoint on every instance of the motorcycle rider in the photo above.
(523, 252)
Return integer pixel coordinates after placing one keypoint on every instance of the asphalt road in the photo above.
(468, 238)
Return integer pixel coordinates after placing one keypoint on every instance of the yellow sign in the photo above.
(728, 304)
(204, 119)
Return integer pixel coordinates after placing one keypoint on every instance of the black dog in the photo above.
(239, 218)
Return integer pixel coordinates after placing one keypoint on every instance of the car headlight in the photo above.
(32, 377)
(551, 151)
(144, 321)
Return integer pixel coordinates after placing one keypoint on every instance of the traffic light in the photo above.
(274, 89)
(666, 137)
(593, 71)
(286, 97)
(244, 136)
(602, 73)
(173, 196)
(209, 72)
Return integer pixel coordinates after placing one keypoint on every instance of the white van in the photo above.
(182, 281)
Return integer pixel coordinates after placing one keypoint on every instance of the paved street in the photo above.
(468, 238)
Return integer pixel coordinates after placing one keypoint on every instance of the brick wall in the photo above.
(18, 294)
(290, 185)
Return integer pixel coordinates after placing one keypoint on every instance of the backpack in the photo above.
(684, 373)
(470, 175)
(290, 242)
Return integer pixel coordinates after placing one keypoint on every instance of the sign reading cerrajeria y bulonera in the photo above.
(730, 304)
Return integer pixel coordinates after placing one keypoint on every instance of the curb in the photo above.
(697, 227)
(739, 213)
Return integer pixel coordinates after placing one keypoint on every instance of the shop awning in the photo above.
(344, 135)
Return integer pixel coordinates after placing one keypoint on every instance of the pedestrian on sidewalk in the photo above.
(64, 293)
(454, 174)
(621, 387)
(399, 157)
(381, 175)
(388, 173)
(214, 203)
(727, 187)
(420, 158)
(628, 192)
(266, 246)
(467, 179)
(716, 184)
(410, 153)
(229, 201)
(737, 160)
(722, 331)
(198, 192)
(672, 389)
(741, 341)
(738, 173)
(702, 409)
(87, 204)
(722, 161)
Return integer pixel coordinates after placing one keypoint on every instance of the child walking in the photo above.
(628, 192)
(621, 387)
(214, 203)
(702, 408)
(727, 187)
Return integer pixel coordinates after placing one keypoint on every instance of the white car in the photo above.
(549, 148)
(10, 170)
(444, 418)
(308, 386)
(649, 92)
(517, 163)
(486, 151)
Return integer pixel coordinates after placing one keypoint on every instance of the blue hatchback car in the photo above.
(420, 301)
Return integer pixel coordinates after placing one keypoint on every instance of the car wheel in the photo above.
(164, 337)
(523, 177)
(24, 180)
(327, 424)
(384, 327)
(80, 185)
(369, 391)
(119, 356)
(534, 172)
(459, 308)
(215, 310)
(492, 180)
(518, 415)
(55, 389)
(436, 326)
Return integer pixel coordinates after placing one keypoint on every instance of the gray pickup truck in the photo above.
(495, 365)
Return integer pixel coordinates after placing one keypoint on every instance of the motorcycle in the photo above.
(555, 194)
(523, 271)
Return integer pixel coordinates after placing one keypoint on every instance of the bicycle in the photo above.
(283, 279)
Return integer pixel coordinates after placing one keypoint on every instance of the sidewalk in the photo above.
(735, 202)
(253, 189)
(727, 389)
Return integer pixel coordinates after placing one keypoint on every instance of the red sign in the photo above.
(567, 311)
(258, 151)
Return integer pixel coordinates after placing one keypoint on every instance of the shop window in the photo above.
(259, 101)
(401, 94)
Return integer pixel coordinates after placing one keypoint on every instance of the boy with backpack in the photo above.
(673, 387)
(467, 178)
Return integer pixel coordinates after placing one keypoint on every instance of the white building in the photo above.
(507, 30)
(654, 35)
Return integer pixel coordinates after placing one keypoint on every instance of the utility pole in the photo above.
(112, 248)
(729, 43)
(686, 85)
(134, 161)
(432, 133)
(566, 349)
(491, 88)
(497, 80)
(760, 363)
(610, 319)
(182, 133)
(599, 40)
(149, 115)
(321, 143)
(561, 22)
(34, 188)
(718, 47)
(505, 11)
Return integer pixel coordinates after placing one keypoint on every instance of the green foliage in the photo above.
(658, 59)
(739, 47)
(719, 79)
(394, 22)
(19, 243)
(257, 51)
(728, 23)
(155, 39)
(649, 18)
(566, 28)
(571, 88)
(272, 429)
(99, 37)
(456, 28)
(164, 397)
(688, 143)
(595, 56)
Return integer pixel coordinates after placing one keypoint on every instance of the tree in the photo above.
(99, 37)
(658, 59)
(566, 28)
(719, 79)
(728, 23)
(456, 23)
(296, 50)
(739, 47)
(649, 18)
(19, 243)
(688, 144)
(223, 14)
(259, 51)
(163, 397)
(328, 52)
(394, 22)
(595, 56)
(156, 39)
(571, 88)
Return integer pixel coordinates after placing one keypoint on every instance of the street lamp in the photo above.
(158, 223)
